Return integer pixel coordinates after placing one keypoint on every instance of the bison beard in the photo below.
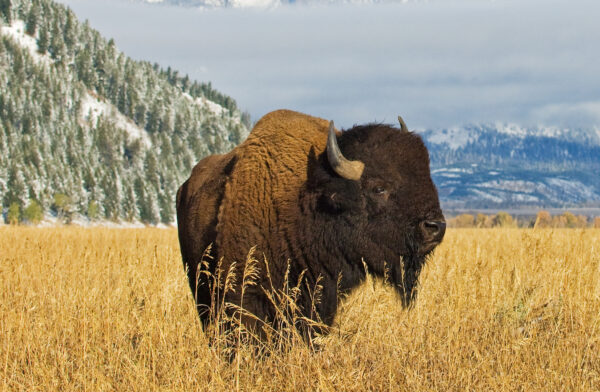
(405, 277)
(317, 212)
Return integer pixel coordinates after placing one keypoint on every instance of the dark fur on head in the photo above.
(378, 217)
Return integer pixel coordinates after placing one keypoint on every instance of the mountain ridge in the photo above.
(500, 166)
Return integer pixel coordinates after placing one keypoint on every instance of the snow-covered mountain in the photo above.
(500, 165)
(266, 3)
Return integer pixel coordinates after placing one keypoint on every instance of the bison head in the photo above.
(373, 190)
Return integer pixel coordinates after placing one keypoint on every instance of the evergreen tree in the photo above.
(140, 114)
(151, 170)
(31, 23)
(129, 203)
(69, 31)
(43, 41)
(17, 190)
(141, 199)
(153, 208)
(5, 10)
(57, 47)
(105, 140)
(112, 196)
(166, 205)
(85, 69)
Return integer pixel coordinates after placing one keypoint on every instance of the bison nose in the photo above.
(433, 231)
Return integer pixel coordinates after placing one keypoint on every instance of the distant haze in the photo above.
(438, 64)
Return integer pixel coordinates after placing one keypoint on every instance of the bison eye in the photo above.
(379, 190)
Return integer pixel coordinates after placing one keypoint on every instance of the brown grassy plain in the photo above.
(110, 310)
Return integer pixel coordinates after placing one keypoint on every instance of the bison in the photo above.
(320, 205)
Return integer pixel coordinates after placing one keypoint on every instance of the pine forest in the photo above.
(88, 133)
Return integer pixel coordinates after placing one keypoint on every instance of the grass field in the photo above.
(110, 309)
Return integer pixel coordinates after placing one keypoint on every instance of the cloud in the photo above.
(578, 114)
(438, 64)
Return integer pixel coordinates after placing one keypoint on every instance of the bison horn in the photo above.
(350, 170)
(403, 126)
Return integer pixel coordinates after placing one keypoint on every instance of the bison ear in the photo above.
(333, 193)
(338, 196)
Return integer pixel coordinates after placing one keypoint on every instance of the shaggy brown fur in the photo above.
(276, 191)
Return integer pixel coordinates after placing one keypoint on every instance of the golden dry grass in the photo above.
(110, 309)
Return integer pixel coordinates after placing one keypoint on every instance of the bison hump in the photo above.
(264, 187)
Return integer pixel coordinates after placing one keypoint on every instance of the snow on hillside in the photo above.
(17, 32)
(92, 108)
(210, 105)
(253, 3)
(520, 131)
(451, 171)
(453, 137)
(573, 188)
(483, 188)
(510, 185)
(458, 137)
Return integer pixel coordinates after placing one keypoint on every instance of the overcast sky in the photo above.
(438, 64)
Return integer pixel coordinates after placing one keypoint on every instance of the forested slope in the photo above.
(87, 132)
